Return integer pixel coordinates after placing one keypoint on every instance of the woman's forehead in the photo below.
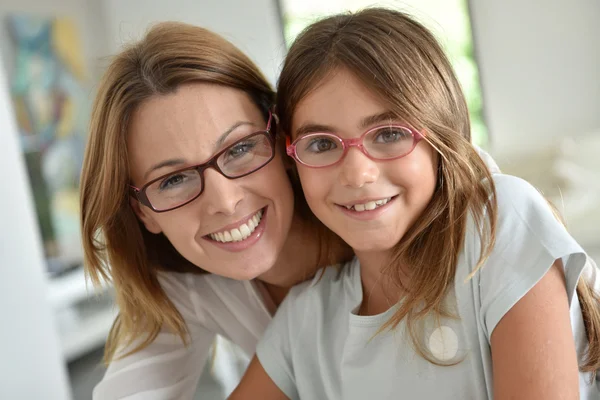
(187, 124)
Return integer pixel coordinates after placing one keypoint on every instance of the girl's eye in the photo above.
(321, 145)
(391, 135)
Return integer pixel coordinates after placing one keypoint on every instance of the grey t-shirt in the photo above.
(318, 348)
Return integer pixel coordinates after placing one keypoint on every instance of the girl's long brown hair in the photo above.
(401, 61)
(117, 247)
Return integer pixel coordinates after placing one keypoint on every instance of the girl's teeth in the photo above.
(371, 205)
(238, 234)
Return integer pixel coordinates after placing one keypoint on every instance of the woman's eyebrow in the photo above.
(173, 162)
(232, 128)
(179, 161)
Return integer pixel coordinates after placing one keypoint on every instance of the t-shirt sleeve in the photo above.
(274, 349)
(529, 238)
(165, 369)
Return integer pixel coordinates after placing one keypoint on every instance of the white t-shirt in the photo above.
(166, 369)
(317, 347)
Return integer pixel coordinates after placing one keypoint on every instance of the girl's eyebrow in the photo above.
(365, 123)
(386, 116)
(311, 128)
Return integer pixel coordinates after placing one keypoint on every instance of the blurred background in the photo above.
(530, 70)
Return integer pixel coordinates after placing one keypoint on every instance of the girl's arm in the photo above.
(533, 350)
(256, 384)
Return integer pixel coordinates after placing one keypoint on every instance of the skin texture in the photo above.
(533, 351)
(185, 126)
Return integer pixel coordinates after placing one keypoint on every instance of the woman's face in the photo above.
(236, 227)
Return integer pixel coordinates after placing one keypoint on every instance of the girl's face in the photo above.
(236, 227)
(398, 190)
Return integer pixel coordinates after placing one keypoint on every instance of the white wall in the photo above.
(253, 26)
(539, 62)
(31, 366)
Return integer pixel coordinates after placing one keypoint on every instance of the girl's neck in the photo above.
(379, 293)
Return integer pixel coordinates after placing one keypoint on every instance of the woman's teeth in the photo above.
(240, 233)
(371, 205)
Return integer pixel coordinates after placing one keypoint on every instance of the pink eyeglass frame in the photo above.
(348, 143)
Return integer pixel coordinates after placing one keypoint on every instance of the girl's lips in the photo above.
(246, 243)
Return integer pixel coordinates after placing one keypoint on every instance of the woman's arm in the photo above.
(256, 384)
(533, 350)
(165, 369)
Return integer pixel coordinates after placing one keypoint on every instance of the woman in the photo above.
(184, 186)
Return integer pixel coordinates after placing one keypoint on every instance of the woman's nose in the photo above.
(221, 195)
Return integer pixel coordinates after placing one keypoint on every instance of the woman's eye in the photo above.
(171, 181)
(321, 145)
(241, 149)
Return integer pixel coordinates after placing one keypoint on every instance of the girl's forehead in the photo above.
(341, 100)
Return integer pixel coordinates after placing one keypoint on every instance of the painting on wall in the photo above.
(51, 101)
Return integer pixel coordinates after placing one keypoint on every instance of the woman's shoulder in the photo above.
(209, 296)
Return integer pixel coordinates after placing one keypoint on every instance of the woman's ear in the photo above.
(145, 215)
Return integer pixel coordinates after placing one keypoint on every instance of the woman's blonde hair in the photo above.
(117, 247)
(401, 61)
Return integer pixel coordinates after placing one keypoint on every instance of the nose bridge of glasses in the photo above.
(354, 142)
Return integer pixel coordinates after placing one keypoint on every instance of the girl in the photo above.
(464, 285)
(187, 207)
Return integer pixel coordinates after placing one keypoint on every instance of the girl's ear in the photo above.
(145, 216)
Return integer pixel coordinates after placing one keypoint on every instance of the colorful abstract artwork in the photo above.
(51, 101)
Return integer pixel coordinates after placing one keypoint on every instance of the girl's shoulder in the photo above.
(521, 206)
(516, 193)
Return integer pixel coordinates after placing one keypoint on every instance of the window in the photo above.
(448, 19)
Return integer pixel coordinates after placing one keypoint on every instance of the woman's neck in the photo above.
(299, 259)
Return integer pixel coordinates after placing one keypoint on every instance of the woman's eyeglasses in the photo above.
(239, 159)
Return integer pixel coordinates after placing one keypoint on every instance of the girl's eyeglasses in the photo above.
(382, 143)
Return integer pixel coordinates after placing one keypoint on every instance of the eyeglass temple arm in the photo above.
(289, 147)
